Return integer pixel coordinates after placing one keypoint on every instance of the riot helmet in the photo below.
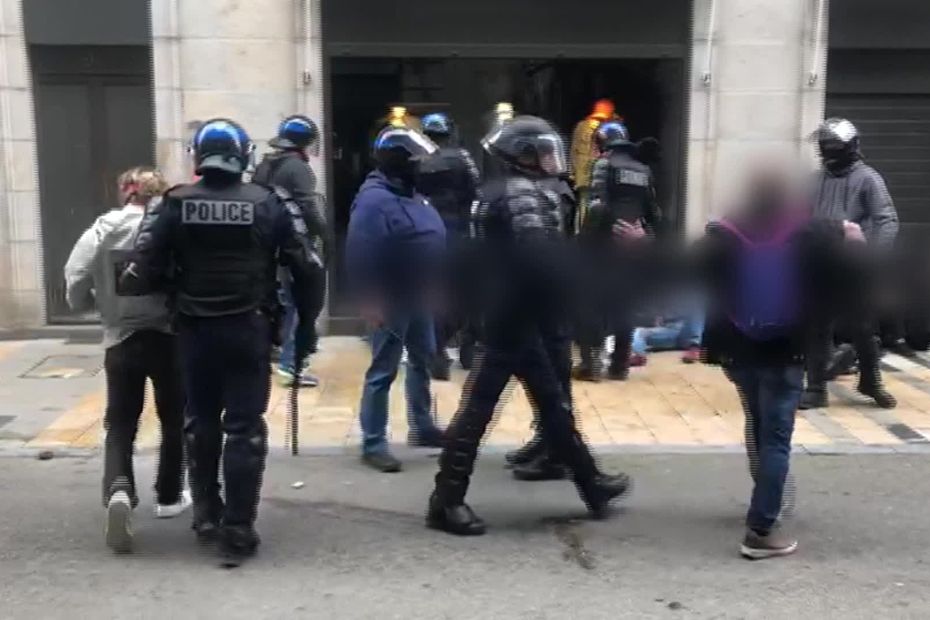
(437, 124)
(221, 145)
(528, 144)
(397, 150)
(297, 132)
(611, 134)
(838, 143)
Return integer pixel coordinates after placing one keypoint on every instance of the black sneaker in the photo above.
(774, 544)
(879, 394)
(605, 489)
(119, 522)
(814, 398)
(460, 520)
(540, 468)
(383, 462)
(526, 453)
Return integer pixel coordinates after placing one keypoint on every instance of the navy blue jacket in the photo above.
(395, 243)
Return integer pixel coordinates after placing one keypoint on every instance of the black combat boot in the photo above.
(870, 374)
(237, 542)
(526, 453)
(457, 519)
(543, 467)
(877, 392)
(447, 510)
(618, 372)
(603, 489)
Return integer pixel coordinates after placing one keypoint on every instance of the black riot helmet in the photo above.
(611, 134)
(297, 132)
(221, 145)
(528, 144)
(398, 149)
(838, 143)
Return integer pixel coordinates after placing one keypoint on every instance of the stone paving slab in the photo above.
(666, 406)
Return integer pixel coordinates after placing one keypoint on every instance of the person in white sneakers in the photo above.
(139, 344)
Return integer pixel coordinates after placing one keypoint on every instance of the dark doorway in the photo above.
(94, 119)
(649, 93)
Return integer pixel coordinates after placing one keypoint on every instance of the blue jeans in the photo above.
(289, 328)
(770, 397)
(404, 327)
(680, 334)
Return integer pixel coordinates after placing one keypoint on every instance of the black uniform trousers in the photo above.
(530, 363)
(144, 355)
(225, 362)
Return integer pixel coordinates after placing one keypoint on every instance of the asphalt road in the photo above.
(351, 544)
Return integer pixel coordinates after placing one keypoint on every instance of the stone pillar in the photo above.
(758, 96)
(22, 298)
(225, 58)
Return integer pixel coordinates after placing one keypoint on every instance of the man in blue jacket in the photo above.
(394, 249)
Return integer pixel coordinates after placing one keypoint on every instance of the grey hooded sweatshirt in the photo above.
(93, 269)
(857, 194)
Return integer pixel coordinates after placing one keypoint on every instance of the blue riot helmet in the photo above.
(397, 151)
(297, 132)
(438, 126)
(611, 134)
(222, 144)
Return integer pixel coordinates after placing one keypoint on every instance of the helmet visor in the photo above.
(551, 152)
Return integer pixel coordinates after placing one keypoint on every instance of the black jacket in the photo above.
(524, 258)
(221, 246)
(288, 170)
(820, 248)
(449, 178)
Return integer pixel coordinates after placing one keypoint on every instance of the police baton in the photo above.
(293, 410)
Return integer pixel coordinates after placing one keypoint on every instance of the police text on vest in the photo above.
(222, 212)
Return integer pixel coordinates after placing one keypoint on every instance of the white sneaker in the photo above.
(119, 523)
(169, 511)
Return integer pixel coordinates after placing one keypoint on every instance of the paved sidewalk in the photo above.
(52, 396)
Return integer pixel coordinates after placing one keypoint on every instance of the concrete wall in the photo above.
(228, 58)
(22, 298)
(758, 97)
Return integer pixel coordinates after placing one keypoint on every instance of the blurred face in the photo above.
(127, 193)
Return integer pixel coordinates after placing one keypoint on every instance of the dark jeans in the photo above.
(152, 355)
(770, 397)
(225, 361)
(404, 327)
(494, 367)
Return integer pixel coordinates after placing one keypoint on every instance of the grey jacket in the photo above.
(861, 196)
(91, 274)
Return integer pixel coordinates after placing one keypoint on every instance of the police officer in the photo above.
(287, 167)
(847, 189)
(622, 199)
(222, 240)
(519, 227)
(449, 178)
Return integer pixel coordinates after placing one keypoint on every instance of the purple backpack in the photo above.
(764, 302)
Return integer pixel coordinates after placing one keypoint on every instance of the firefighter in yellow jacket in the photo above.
(585, 152)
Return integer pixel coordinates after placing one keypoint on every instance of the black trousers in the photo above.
(144, 355)
(225, 364)
(495, 365)
(820, 347)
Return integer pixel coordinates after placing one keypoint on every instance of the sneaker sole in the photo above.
(118, 536)
(763, 554)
